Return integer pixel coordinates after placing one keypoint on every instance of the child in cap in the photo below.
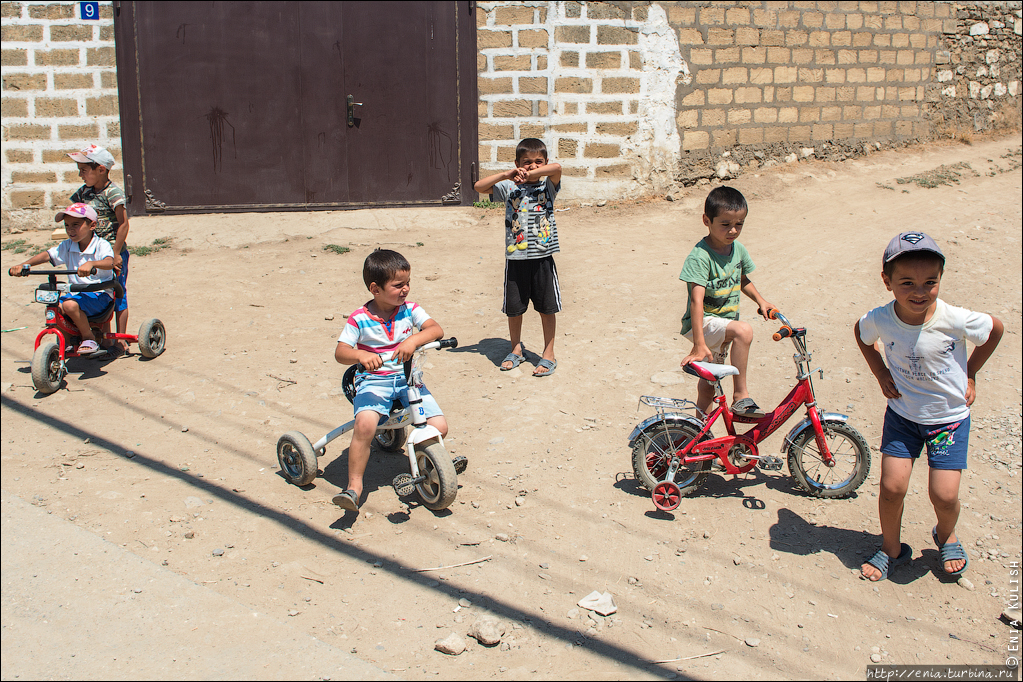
(108, 200)
(930, 386)
(531, 240)
(716, 271)
(83, 251)
(381, 336)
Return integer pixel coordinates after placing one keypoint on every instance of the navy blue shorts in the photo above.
(90, 302)
(947, 444)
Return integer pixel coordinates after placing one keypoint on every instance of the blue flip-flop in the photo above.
(950, 551)
(885, 563)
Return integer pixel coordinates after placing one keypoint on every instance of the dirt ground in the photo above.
(174, 458)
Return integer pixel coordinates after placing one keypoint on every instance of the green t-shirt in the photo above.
(720, 275)
(105, 201)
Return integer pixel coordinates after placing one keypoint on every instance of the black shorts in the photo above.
(533, 280)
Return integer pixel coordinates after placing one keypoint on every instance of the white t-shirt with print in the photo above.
(928, 361)
(71, 255)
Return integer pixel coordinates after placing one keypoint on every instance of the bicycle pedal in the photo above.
(403, 485)
(461, 464)
(771, 463)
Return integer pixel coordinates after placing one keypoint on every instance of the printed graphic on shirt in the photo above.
(530, 230)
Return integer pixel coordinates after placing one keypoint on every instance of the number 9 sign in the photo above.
(90, 10)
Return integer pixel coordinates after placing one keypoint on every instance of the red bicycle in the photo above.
(673, 452)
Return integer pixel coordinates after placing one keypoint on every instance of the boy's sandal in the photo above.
(347, 500)
(548, 367)
(89, 347)
(950, 551)
(515, 360)
(884, 563)
(747, 408)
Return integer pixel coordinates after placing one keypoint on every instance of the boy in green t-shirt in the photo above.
(717, 270)
(110, 204)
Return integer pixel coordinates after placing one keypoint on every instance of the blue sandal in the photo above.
(515, 360)
(950, 551)
(885, 563)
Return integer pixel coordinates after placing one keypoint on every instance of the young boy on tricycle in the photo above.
(379, 336)
(92, 257)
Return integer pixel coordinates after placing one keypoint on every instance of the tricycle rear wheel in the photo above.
(297, 458)
(152, 338)
(47, 371)
(850, 453)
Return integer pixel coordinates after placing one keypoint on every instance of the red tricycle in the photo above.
(673, 452)
(59, 339)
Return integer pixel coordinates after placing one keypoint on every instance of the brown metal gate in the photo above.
(239, 106)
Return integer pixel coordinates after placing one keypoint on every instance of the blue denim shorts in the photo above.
(377, 392)
(947, 444)
(90, 302)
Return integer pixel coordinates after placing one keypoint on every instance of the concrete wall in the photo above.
(633, 98)
(59, 95)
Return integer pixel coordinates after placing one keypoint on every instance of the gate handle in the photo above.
(351, 110)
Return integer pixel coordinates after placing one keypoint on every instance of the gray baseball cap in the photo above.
(907, 242)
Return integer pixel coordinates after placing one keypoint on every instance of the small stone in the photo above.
(487, 630)
(545, 566)
(293, 612)
(875, 658)
(633, 580)
(505, 646)
(752, 641)
(129, 454)
(716, 606)
(584, 558)
(452, 645)
(737, 561)
(519, 501)
(190, 534)
(706, 535)
(602, 202)
(464, 603)
(328, 318)
(184, 429)
(502, 537)
(80, 466)
(292, 360)
(965, 583)
(218, 552)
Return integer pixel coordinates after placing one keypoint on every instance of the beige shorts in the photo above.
(714, 334)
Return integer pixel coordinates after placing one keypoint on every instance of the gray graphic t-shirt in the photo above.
(529, 228)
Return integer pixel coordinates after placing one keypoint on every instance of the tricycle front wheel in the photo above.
(47, 370)
(850, 453)
(440, 482)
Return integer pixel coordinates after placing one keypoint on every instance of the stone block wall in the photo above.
(976, 83)
(634, 97)
(59, 94)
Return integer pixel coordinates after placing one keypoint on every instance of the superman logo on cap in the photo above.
(912, 237)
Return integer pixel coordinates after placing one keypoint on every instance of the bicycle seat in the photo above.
(709, 371)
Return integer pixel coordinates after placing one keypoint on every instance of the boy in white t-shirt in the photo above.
(83, 251)
(930, 386)
(380, 337)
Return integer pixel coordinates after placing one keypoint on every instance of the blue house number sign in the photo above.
(90, 10)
